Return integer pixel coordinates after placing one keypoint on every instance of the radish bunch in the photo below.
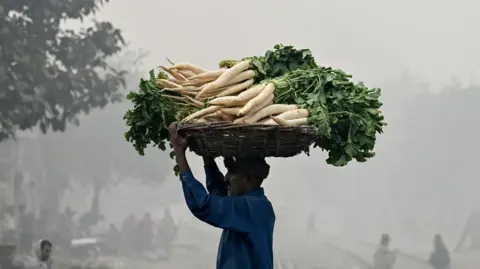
(228, 94)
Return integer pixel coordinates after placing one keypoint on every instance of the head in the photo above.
(147, 216)
(438, 242)
(43, 250)
(21, 209)
(245, 175)
(385, 240)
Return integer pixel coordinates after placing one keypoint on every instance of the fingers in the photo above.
(173, 128)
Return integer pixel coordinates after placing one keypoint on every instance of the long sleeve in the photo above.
(226, 212)
(215, 180)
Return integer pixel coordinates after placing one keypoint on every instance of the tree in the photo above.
(94, 151)
(49, 74)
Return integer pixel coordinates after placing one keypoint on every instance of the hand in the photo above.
(179, 142)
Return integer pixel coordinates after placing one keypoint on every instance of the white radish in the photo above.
(225, 116)
(186, 73)
(173, 73)
(201, 113)
(252, 112)
(189, 66)
(294, 114)
(225, 101)
(268, 90)
(168, 83)
(251, 92)
(233, 89)
(209, 74)
(268, 121)
(295, 122)
(245, 75)
(231, 110)
(269, 111)
(226, 77)
(198, 82)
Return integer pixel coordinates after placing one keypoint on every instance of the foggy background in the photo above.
(423, 180)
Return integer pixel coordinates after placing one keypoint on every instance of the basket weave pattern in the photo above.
(237, 140)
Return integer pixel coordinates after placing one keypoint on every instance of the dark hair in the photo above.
(385, 238)
(45, 243)
(252, 168)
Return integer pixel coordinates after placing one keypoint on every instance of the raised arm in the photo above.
(215, 180)
(226, 212)
(223, 212)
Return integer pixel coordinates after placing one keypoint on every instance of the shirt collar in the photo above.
(255, 192)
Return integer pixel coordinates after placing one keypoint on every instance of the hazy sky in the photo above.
(372, 39)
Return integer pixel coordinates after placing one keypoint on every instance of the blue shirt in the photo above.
(247, 221)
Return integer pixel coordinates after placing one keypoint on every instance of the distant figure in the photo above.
(145, 233)
(128, 232)
(27, 220)
(384, 258)
(311, 225)
(10, 226)
(472, 232)
(113, 239)
(41, 260)
(440, 257)
(166, 232)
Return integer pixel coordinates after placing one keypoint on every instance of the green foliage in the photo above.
(151, 115)
(49, 75)
(276, 62)
(346, 116)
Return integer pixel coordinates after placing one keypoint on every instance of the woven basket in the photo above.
(238, 140)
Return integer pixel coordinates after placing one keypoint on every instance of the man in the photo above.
(145, 234)
(26, 221)
(245, 215)
(128, 232)
(113, 239)
(384, 258)
(43, 250)
(166, 232)
(440, 257)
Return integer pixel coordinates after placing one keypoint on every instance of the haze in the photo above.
(407, 48)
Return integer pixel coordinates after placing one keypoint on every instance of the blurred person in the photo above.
(10, 226)
(384, 258)
(128, 232)
(440, 257)
(472, 232)
(27, 222)
(41, 256)
(113, 239)
(311, 225)
(235, 203)
(166, 232)
(145, 233)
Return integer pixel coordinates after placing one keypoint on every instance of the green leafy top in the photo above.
(151, 115)
(345, 115)
(276, 62)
